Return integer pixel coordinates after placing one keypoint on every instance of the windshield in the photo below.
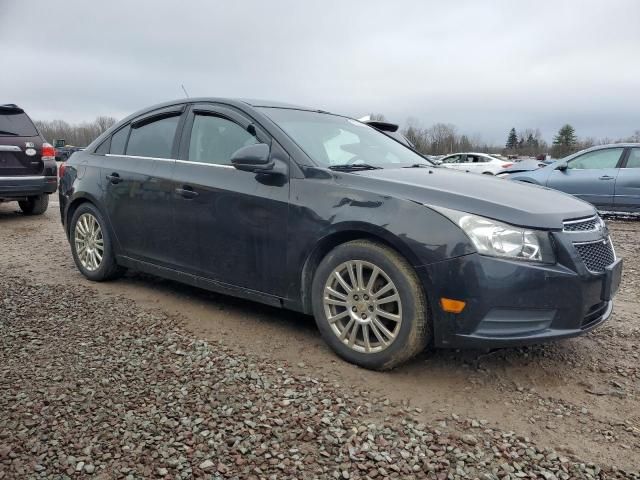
(16, 123)
(331, 140)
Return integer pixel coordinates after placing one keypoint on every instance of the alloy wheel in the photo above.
(89, 242)
(362, 306)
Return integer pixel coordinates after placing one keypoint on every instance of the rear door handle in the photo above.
(186, 192)
(606, 177)
(114, 178)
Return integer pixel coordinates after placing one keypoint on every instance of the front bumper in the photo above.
(17, 188)
(511, 303)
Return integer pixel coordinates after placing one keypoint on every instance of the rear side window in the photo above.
(634, 158)
(16, 123)
(215, 139)
(119, 141)
(596, 160)
(153, 139)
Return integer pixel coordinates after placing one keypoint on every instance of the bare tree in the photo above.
(81, 134)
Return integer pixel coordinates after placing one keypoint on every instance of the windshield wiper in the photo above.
(2, 132)
(420, 165)
(354, 166)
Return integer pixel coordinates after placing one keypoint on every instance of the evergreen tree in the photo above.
(512, 140)
(565, 142)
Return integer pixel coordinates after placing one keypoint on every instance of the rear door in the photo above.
(590, 176)
(627, 190)
(137, 181)
(477, 163)
(230, 225)
(20, 144)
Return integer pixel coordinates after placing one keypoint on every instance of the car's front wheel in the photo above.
(369, 305)
(35, 205)
(91, 245)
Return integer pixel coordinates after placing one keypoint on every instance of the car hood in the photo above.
(511, 202)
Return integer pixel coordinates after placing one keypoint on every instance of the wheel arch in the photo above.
(76, 203)
(344, 234)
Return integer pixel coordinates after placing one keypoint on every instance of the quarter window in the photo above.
(154, 139)
(119, 141)
(634, 158)
(596, 160)
(215, 139)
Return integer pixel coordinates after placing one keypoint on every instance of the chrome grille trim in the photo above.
(589, 224)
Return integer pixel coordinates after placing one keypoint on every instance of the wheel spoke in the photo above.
(383, 290)
(390, 316)
(341, 281)
(365, 335)
(335, 293)
(359, 275)
(372, 279)
(333, 301)
(383, 329)
(352, 275)
(338, 316)
(390, 298)
(346, 330)
(354, 334)
(377, 333)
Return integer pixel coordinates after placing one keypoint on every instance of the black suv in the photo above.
(325, 215)
(28, 172)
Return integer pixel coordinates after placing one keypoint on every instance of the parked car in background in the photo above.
(28, 172)
(322, 214)
(63, 153)
(521, 166)
(608, 176)
(475, 163)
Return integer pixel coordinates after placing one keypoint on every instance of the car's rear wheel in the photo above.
(369, 305)
(91, 245)
(35, 205)
(487, 173)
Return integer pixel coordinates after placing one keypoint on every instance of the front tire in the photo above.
(35, 205)
(91, 245)
(369, 305)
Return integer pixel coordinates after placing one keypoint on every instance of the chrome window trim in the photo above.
(10, 148)
(31, 177)
(188, 162)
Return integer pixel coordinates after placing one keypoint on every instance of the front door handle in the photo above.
(606, 177)
(186, 192)
(114, 178)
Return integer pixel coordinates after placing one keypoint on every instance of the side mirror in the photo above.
(562, 167)
(253, 158)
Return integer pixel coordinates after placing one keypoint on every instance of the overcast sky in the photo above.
(484, 66)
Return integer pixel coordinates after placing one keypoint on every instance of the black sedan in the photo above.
(322, 214)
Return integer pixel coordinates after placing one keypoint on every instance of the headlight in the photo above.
(497, 239)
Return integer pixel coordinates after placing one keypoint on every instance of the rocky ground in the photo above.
(147, 379)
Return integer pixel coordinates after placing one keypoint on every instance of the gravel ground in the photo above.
(105, 388)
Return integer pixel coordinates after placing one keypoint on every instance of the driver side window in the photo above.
(453, 159)
(214, 139)
(596, 160)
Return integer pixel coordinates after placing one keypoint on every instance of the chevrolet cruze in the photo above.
(320, 213)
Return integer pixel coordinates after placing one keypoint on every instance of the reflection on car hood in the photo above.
(512, 202)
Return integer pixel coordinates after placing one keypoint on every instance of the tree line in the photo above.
(78, 134)
(437, 139)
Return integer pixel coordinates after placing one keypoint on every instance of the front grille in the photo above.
(596, 256)
(593, 314)
(583, 225)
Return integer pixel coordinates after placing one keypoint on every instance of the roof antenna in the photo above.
(185, 91)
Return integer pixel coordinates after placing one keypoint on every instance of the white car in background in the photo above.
(475, 163)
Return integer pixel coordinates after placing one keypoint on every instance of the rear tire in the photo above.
(487, 173)
(369, 305)
(91, 245)
(35, 205)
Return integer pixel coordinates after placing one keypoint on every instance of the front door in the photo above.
(590, 176)
(231, 225)
(136, 175)
(627, 192)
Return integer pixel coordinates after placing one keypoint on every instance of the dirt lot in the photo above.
(579, 397)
